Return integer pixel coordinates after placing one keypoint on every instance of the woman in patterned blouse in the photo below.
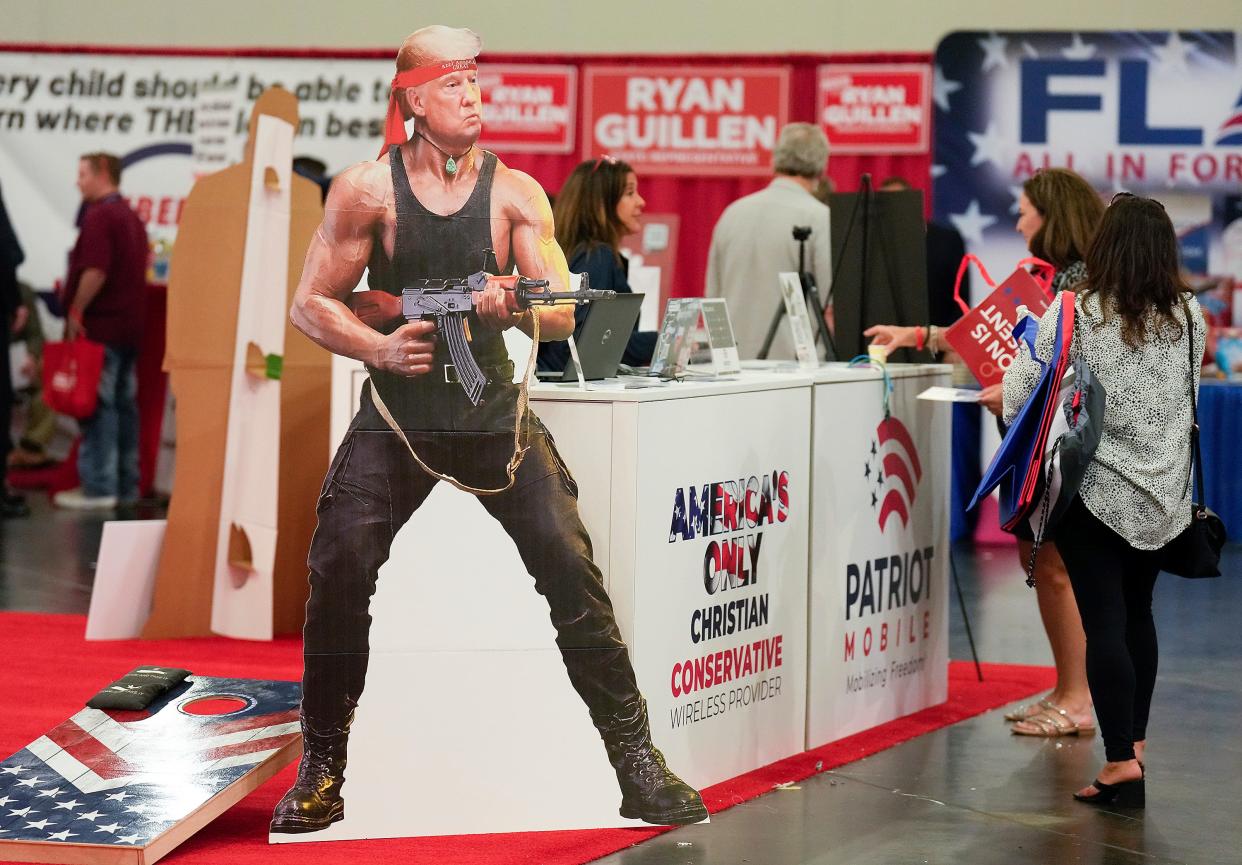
(1134, 318)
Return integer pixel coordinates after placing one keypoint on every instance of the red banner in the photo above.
(984, 336)
(704, 120)
(873, 108)
(528, 109)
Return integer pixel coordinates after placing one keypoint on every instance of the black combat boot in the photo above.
(314, 801)
(649, 790)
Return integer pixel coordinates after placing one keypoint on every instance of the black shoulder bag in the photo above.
(1195, 553)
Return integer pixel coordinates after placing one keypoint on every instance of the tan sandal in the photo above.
(1052, 722)
(1030, 710)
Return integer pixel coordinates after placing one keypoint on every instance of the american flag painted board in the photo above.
(112, 786)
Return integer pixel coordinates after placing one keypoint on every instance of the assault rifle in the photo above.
(448, 301)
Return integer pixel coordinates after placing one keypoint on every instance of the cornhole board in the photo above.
(114, 788)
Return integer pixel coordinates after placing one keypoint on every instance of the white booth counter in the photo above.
(699, 497)
(878, 642)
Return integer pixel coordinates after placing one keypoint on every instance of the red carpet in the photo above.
(50, 671)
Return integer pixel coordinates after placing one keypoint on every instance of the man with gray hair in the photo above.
(753, 241)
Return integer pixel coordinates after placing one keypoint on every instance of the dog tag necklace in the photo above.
(451, 162)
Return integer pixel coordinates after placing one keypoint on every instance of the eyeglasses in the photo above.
(1124, 195)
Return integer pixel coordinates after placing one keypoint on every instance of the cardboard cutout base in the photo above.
(128, 787)
(467, 710)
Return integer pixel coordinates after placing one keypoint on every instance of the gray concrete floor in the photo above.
(974, 793)
(969, 793)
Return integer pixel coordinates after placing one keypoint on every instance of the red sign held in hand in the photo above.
(984, 335)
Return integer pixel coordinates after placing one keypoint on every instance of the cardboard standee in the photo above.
(245, 550)
(204, 294)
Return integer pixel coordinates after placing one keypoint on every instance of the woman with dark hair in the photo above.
(1058, 212)
(598, 206)
(1136, 328)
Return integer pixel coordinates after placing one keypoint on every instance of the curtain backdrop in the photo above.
(698, 201)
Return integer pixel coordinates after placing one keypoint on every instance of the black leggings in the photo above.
(1113, 583)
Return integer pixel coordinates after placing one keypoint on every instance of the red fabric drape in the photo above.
(700, 200)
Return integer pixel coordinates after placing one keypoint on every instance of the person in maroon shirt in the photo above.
(104, 295)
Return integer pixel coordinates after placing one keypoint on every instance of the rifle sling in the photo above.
(519, 452)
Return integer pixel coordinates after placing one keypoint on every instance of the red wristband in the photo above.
(919, 338)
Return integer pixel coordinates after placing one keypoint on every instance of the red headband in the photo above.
(394, 124)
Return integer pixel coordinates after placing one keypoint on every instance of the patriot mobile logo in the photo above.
(893, 472)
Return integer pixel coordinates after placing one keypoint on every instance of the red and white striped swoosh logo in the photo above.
(902, 471)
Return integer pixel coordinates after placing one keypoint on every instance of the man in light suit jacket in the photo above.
(753, 241)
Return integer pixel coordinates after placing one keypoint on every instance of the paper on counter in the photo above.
(951, 394)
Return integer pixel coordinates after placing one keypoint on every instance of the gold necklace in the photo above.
(450, 165)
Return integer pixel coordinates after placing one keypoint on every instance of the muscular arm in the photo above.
(536, 252)
(337, 256)
(335, 261)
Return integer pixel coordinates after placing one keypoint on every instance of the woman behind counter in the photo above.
(598, 206)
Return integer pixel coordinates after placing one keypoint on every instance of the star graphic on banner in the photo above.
(20, 812)
(62, 836)
(91, 816)
(1078, 50)
(30, 782)
(873, 449)
(117, 797)
(1172, 55)
(70, 805)
(972, 223)
(55, 791)
(874, 500)
(989, 146)
(110, 828)
(867, 470)
(12, 770)
(1029, 50)
(938, 171)
(879, 478)
(942, 89)
(1016, 192)
(127, 839)
(4, 800)
(994, 52)
(38, 824)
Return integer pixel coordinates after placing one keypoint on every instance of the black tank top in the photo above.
(430, 246)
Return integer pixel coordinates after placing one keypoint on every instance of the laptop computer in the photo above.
(603, 338)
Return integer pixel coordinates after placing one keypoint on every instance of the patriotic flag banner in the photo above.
(127, 779)
(1154, 113)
